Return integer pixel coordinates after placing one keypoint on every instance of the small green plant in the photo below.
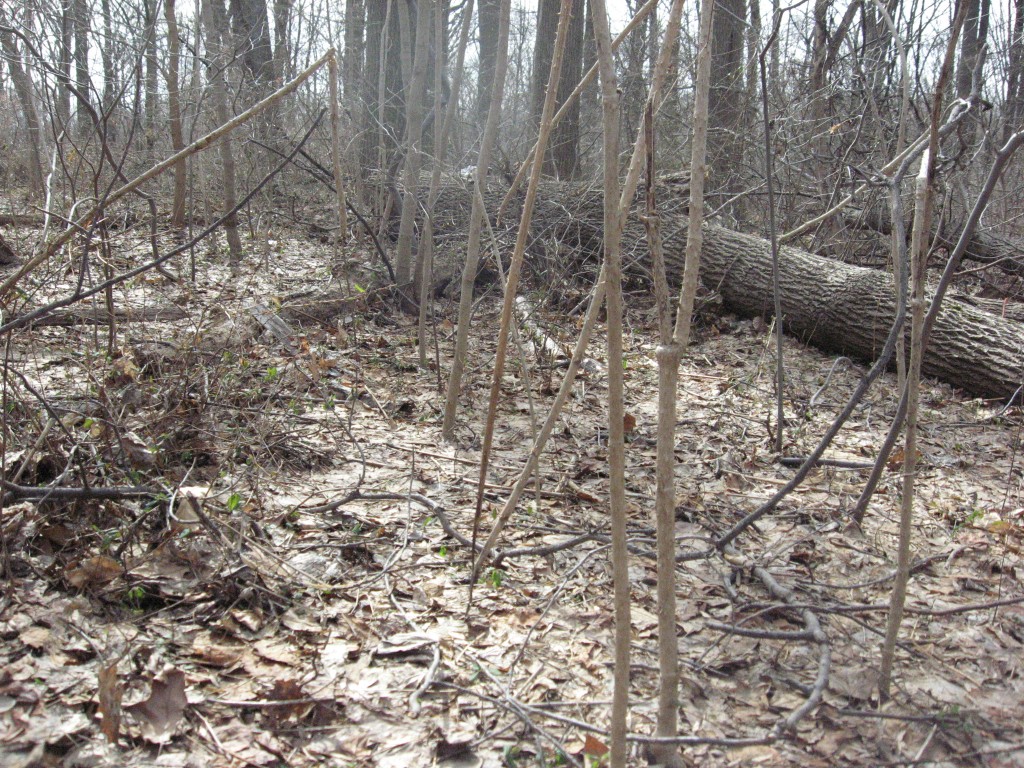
(443, 550)
(496, 576)
(329, 402)
(134, 597)
(271, 374)
(233, 501)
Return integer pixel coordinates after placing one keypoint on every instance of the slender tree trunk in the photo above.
(475, 223)
(215, 24)
(23, 87)
(514, 271)
(674, 339)
(110, 84)
(80, 11)
(972, 47)
(414, 135)
(1015, 73)
(441, 137)
(918, 265)
(174, 115)
(66, 55)
(152, 95)
(616, 400)
(489, 14)
(355, 22)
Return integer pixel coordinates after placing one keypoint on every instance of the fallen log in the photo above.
(983, 247)
(835, 306)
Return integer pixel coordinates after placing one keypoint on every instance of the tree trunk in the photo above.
(725, 106)
(80, 24)
(282, 43)
(983, 247)
(489, 14)
(355, 21)
(972, 46)
(1015, 73)
(414, 135)
(23, 87)
(174, 114)
(152, 96)
(216, 29)
(834, 306)
(565, 139)
(64, 66)
(110, 80)
(251, 28)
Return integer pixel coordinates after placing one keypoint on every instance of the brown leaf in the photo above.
(594, 747)
(110, 692)
(160, 713)
(294, 702)
(93, 572)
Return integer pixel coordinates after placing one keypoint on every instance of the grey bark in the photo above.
(23, 88)
(565, 139)
(834, 306)
(355, 23)
(972, 47)
(80, 26)
(250, 26)
(489, 14)
(215, 25)
(174, 114)
(1015, 73)
(725, 107)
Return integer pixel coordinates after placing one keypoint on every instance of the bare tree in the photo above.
(174, 114)
(23, 88)
(215, 26)
(972, 47)
(489, 15)
(414, 98)
(563, 154)
(613, 223)
(80, 25)
(353, 60)
(725, 104)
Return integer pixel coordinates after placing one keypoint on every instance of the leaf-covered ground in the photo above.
(293, 593)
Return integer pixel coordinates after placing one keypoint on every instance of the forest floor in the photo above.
(291, 596)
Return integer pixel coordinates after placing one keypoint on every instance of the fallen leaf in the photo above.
(110, 692)
(94, 572)
(160, 713)
(594, 747)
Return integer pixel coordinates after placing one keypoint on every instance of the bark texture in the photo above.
(984, 247)
(834, 306)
